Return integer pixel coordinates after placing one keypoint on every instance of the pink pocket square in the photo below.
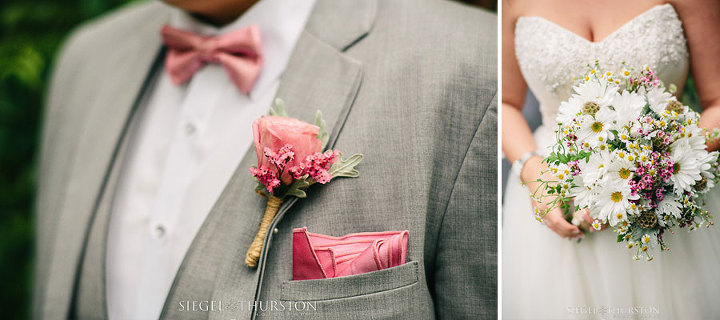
(317, 256)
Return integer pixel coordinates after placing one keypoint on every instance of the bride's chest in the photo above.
(551, 56)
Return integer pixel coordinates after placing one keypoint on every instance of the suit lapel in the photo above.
(111, 105)
(332, 89)
(319, 76)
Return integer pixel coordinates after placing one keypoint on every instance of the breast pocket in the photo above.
(352, 286)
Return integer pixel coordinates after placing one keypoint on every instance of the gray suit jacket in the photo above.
(411, 84)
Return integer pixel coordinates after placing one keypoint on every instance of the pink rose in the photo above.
(275, 132)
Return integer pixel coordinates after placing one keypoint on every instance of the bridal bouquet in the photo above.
(633, 155)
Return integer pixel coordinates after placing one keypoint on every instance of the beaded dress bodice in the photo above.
(552, 57)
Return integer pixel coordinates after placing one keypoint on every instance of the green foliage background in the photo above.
(30, 34)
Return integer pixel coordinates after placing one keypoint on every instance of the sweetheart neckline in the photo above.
(612, 34)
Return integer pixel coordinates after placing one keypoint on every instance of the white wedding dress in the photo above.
(547, 277)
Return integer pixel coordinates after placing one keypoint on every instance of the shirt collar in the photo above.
(280, 23)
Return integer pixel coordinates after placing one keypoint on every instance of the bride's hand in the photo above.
(585, 215)
(556, 222)
(554, 219)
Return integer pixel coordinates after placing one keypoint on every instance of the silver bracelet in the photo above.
(519, 164)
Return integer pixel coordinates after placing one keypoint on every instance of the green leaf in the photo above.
(322, 134)
(279, 108)
(296, 193)
(346, 168)
(296, 188)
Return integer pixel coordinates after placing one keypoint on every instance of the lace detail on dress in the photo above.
(551, 57)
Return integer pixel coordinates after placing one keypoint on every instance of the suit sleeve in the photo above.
(465, 274)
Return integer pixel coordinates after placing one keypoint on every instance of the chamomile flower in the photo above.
(630, 244)
(561, 171)
(617, 217)
(625, 73)
(624, 136)
(645, 239)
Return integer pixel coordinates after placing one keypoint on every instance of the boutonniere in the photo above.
(290, 158)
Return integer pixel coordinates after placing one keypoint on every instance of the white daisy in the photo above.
(595, 130)
(686, 168)
(707, 171)
(569, 110)
(613, 202)
(583, 194)
(658, 99)
(628, 107)
(620, 167)
(696, 139)
(599, 91)
(594, 168)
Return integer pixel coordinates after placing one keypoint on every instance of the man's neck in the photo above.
(216, 13)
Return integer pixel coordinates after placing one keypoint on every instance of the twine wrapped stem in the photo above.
(271, 209)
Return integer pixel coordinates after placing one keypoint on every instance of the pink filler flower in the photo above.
(288, 149)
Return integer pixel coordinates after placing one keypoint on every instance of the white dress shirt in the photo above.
(185, 144)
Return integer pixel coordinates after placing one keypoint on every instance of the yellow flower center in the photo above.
(596, 127)
(619, 216)
(616, 196)
(624, 173)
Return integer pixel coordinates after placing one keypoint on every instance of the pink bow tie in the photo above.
(240, 52)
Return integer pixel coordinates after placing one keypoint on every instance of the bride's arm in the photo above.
(701, 20)
(517, 139)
